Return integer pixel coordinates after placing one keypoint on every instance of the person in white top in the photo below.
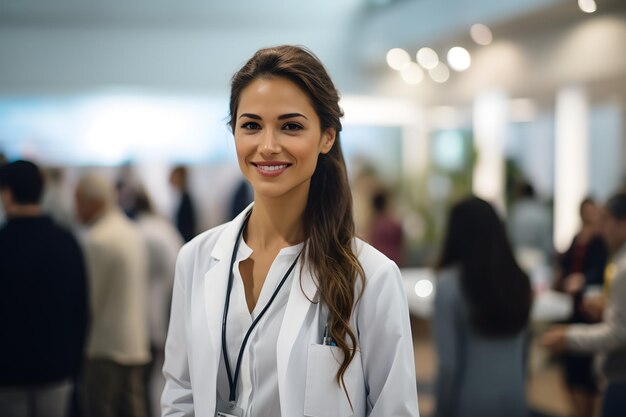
(282, 311)
(118, 346)
(163, 242)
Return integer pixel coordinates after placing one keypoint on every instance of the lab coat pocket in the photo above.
(323, 396)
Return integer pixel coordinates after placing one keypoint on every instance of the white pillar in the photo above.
(415, 150)
(571, 162)
(490, 125)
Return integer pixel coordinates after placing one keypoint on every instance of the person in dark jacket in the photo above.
(606, 338)
(582, 268)
(185, 215)
(43, 312)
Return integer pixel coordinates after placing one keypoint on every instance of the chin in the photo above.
(269, 192)
(273, 188)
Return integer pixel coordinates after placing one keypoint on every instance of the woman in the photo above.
(481, 312)
(282, 312)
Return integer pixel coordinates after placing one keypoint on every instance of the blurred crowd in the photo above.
(87, 285)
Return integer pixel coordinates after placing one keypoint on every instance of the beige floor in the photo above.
(546, 392)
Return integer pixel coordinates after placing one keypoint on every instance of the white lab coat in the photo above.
(380, 380)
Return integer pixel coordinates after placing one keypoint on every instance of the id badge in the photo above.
(227, 409)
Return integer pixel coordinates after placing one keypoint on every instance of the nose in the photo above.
(269, 143)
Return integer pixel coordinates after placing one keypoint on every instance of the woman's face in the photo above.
(278, 138)
(590, 214)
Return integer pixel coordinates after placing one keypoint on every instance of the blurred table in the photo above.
(420, 286)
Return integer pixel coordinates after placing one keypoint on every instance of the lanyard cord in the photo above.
(232, 382)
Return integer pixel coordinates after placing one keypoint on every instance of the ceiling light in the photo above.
(481, 34)
(459, 58)
(587, 6)
(398, 58)
(440, 73)
(412, 73)
(427, 58)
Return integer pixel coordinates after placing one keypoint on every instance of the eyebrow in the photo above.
(281, 117)
(291, 115)
(251, 116)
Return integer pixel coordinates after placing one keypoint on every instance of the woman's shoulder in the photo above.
(371, 259)
(203, 243)
(382, 278)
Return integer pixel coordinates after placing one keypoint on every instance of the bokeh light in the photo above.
(481, 34)
(440, 74)
(459, 58)
(427, 58)
(398, 58)
(412, 73)
(423, 288)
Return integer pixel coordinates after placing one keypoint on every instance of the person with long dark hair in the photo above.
(283, 312)
(482, 307)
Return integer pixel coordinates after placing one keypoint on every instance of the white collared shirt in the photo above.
(257, 387)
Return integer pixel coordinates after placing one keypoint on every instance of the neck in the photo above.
(588, 231)
(275, 224)
(25, 210)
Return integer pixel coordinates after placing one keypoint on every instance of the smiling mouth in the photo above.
(271, 169)
(271, 166)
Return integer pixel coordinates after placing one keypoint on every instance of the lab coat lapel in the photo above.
(216, 280)
(303, 290)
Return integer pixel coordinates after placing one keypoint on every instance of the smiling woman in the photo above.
(278, 136)
(278, 313)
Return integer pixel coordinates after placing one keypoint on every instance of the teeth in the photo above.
(271, 167)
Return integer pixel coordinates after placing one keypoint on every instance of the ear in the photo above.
(328, 140)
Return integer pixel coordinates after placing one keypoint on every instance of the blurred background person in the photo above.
(529, 227)
(43, 313)
(57, 201)
(482, 308)
(118, 343)
(581, 269)
(607, 338)
(127, 186)
(241, 198)
(185, 213)
(363, 186)
(163, 242)
(386, 231)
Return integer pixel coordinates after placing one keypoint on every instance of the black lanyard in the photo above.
(232, 382)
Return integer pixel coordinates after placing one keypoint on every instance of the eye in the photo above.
(251, 126)
(291, 126)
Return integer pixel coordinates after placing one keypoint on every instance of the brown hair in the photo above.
(327, 221)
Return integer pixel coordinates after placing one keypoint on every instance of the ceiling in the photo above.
(71, 45)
